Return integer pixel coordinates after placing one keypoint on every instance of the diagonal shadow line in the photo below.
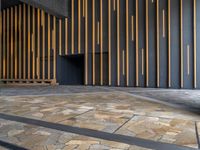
(96, 134)
(11, 146)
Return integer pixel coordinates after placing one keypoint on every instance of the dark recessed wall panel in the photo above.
(198, 43)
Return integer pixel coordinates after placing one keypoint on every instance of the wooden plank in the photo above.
(49, 47)
(158, 42)
(60, 37)
(11, 44)
(86, 42)
(24, 41)
(137, 44)
(72, 26)
(33, 43)
(79, 26)
(1, 43)
(147, 43)
(4, 44)
(93, 42)
(66, 36)
(29, 42)
(38, 42)
(109, 44)
(118, 42)
(16, 44)
(195, 43)
(54, 47)
(20, 41)
(127, 42)
(8, 44)
(101, 42)
(43, 45)
(169, 43)
(181, 44)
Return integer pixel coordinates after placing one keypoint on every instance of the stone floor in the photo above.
(146, 118)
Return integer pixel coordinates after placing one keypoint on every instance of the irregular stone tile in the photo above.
(14, 132)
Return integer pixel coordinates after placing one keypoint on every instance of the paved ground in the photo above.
(92, 118)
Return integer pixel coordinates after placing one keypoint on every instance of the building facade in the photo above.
(132, 43)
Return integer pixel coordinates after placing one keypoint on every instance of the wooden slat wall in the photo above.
(23, 45)
(149, 46)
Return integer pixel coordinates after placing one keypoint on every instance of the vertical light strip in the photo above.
(123, 62)
(24, 43)
(16, 41)
(79, 26)
(188, 60)
(72, 27)
(127, 42)
(60, 37)
(132, 28)
(181, 36)
(38, 42)
(1, 43)
(20, 41)
(147, 43)
(101, 42)
(66, 36)
(29, 43)
(164, 32)
(109, 43)
(93, 42)
(83, 4)
(54, 47)
(98, 34)
(86, 42)
(118, 42)
(8, 43)
(11, 43)
(49, 48)
(137, 44)
(114, 5)
(4, 44)
(158, 43)
(169, 43)
(43, 45)
(195, 44)
(33, 42)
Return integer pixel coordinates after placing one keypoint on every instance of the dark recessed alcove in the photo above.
(70, 70)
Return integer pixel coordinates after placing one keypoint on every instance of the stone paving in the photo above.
(110, 110)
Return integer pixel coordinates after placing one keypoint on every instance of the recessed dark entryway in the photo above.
(70, 70)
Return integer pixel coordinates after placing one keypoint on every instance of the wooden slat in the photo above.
(8, 44)
(20, 41)
(188, 60)
(137, 44)
(101, 42)
(66, 36)
(38, 42)
(1, 45)
(60, 37)
(195, 43)
(158, 42)
(11, 44)
(72, 26)
(181, 42)
(24, 41)
(142, 61)
(169, 43)
(118, 42)
(163, 22)
(33, 43)
(127, 42)
(93, 42)
(29, 42)
(86, 42)
(16, 44)
(49, 47)
(109, 43)
(79, 26)
(54, 47)
(147, 43)
(43, 45)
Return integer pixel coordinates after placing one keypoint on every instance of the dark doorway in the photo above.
(70, 70)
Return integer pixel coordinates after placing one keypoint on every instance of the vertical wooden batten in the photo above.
(181, 43)
(43, 45)
(158, 42)
(11, 44)
(109, 43)
(54, 48)
(72, 26)
(20, 41)
(4, 44)
(118, 42)
(1, 45)
(49, 48)
(101, 42)
(60, 37)
(147, 43)
(8, 44)
(66, 36)
(29, 42)
(16, 44)
(86, 42)
(127, 42)
(33, 43)
(169, 43)
(24, 39)
(38, 42)
(195, 43)
(79, 26)
(137, 44)
(93, 42)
